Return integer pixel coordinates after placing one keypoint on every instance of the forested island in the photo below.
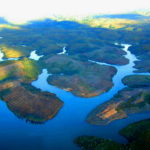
(82, 58)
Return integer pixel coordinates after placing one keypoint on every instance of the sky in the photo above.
(19, 11)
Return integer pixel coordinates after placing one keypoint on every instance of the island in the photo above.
(142, 50)
(82, 78)
(31, 104)
(137, 135)
(71, 70)
(110, 54)
(81, 57)
(132, 99)
(21, 98)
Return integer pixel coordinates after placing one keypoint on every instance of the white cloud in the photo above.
(22, 10)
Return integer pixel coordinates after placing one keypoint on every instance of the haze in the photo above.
(19, 11)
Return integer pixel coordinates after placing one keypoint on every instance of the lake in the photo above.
(70, 122)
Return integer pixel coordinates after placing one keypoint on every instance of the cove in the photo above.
(59, 133)
(64, 51)
(34, 56)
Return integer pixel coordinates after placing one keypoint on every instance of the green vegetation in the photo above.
(30, 103)
(94, 143)
(137, 81)
(30, 69)
(10, 52)
(133, 99)
(21, 98)
(63, 65)
(133, 130)
(90, 38)
(105, 21)
(79, 76)
(7, 70)
(138, 135)
(108, 54)
(25, 69)
(48, 37)
(137, 101)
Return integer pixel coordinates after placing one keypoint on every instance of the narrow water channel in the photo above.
(59, 133)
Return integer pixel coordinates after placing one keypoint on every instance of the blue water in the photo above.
(59, 133)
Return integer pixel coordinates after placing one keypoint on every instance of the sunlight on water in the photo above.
(71, 119)
(63, 52)
(1, 55)
(34, 55)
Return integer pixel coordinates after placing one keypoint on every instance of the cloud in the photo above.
(22, 10)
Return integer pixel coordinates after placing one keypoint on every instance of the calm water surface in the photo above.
(59, 133)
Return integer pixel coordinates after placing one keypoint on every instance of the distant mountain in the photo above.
(123, 16)
(53, 23)
(145, 12)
